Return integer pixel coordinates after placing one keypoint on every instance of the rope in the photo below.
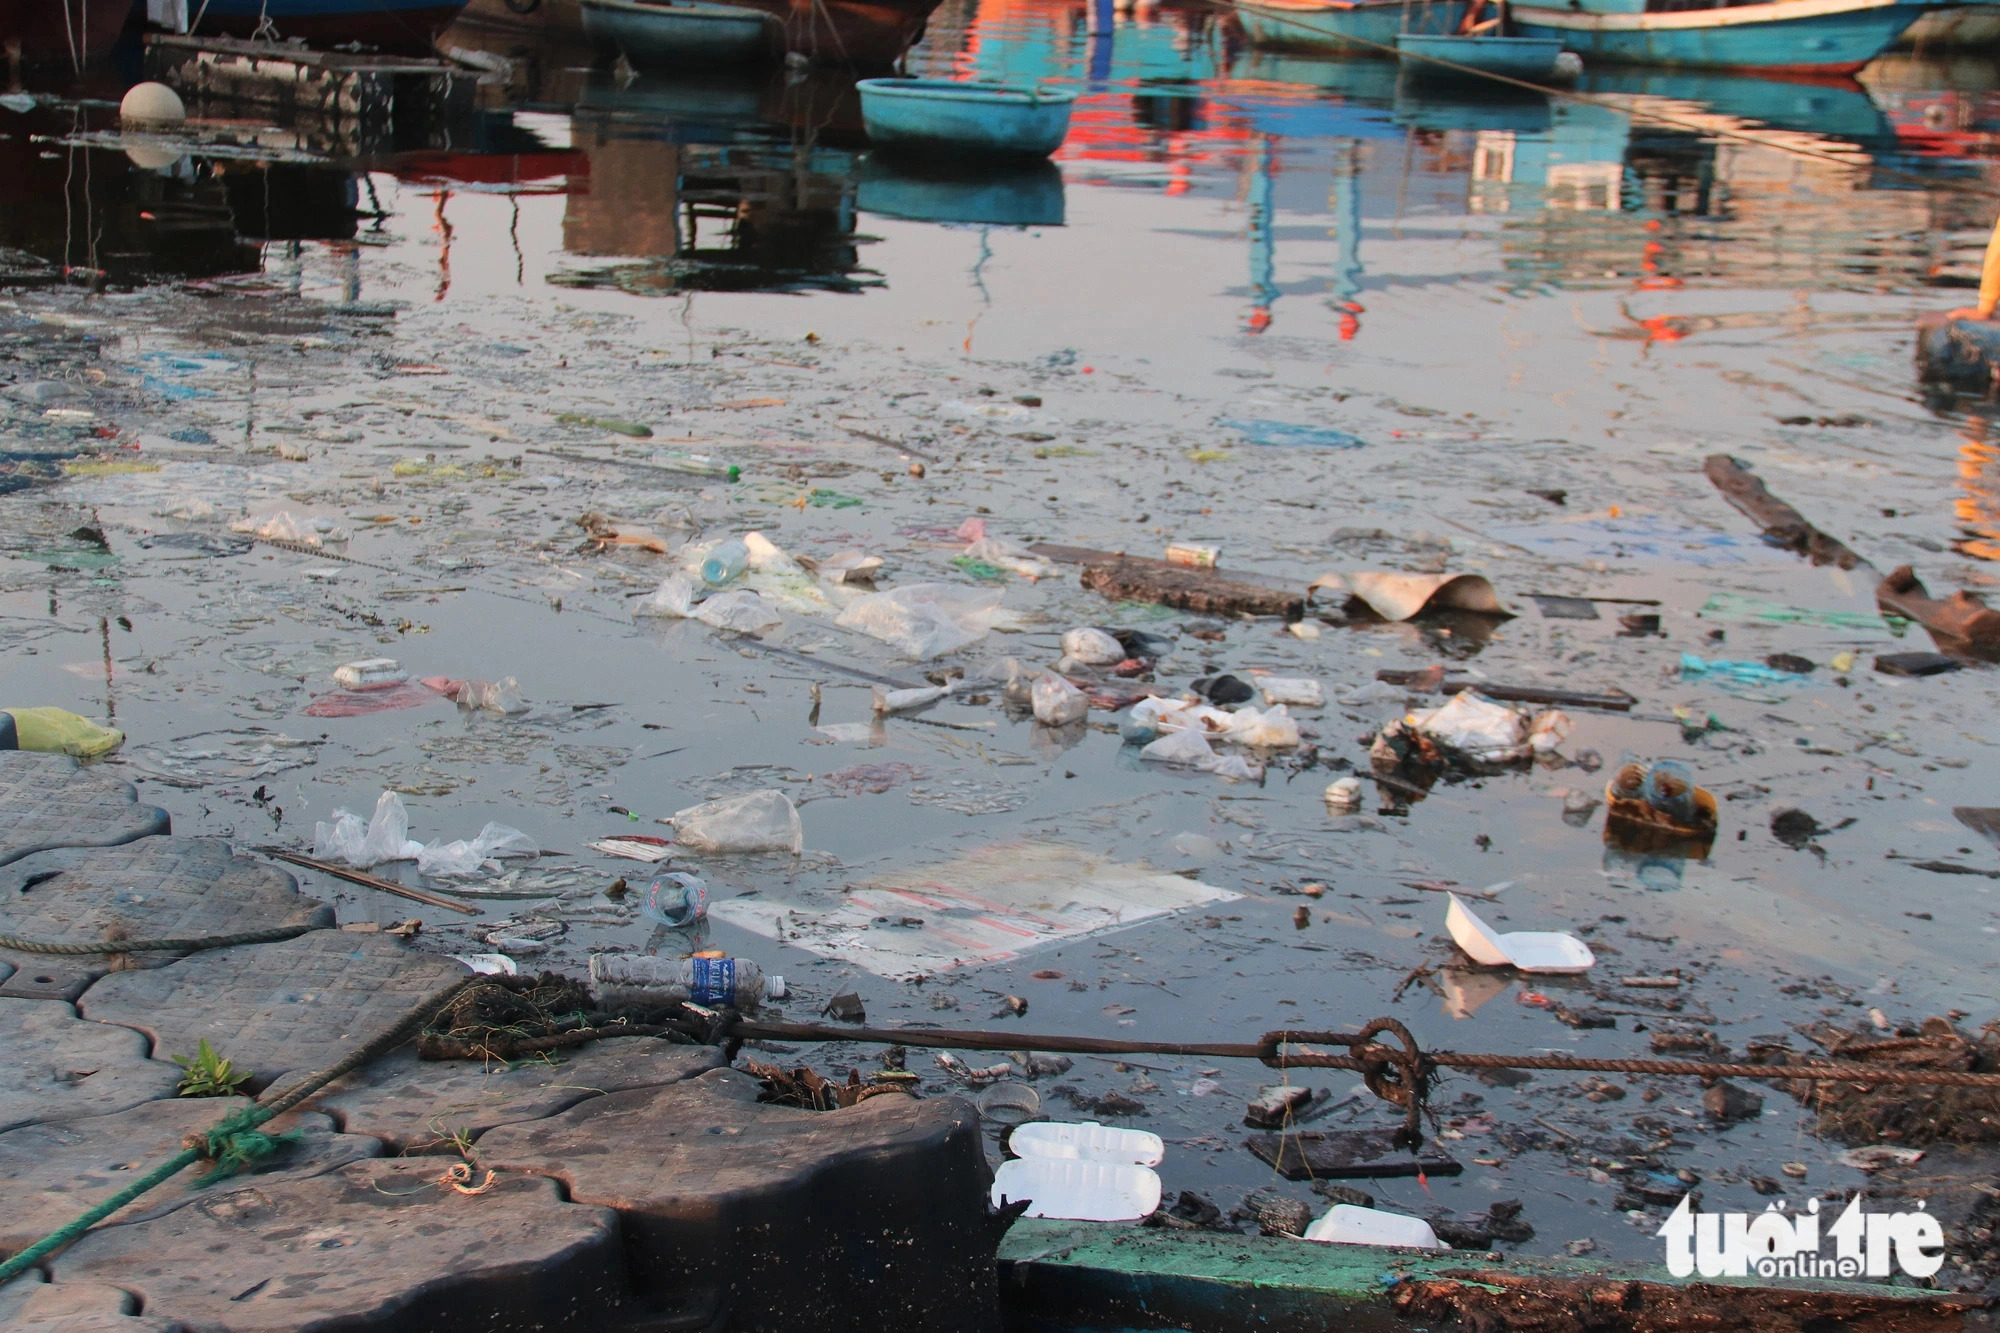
(235, 1141)
(194, 945)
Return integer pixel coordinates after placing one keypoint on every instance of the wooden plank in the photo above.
(1746, 491)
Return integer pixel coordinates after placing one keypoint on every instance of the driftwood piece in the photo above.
(1746, 491)
(1202, 591)
(1961, 618)
(1433, 678)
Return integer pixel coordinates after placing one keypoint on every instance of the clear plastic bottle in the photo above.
(641, 981)
(700, 464)
(725, 562)
(1670, 790)
(676, 900)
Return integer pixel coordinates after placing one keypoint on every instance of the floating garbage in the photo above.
(676, 899)
(1343, 795)
(725, 562)
(1079, 1191)
(850, 567)
(1089, 646)
(286, 526)
(1527, 950)
(1289, 434)
(673, 598)
(925, 620)
(645, 981)
(1659, 799)
(385, 837)
(740, 611)
(1398, 597)
(1293, 691)
(1056, 701)
(1088, 1141)
(464, 858)
(1471, 728)
(1346, 1224)
(901, 701)
(59, 731)
(494, 696)
(372, 673)
(759, 821)
(487, 964)
(634, 847)
(1009, 1102)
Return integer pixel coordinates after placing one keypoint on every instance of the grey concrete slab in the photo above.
(155, 888)
(30, 1305)
(273, 1009)
(417, 1105)
(54, 1172)
(378, 1245)
(49, 800)
(56, 1066)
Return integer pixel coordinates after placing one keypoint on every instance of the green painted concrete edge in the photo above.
(1340, 1272)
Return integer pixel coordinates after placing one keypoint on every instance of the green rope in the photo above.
(234, 1141)
(194, 945)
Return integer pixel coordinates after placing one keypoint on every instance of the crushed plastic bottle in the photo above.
(701, 465)
(644, 981)
(1057, 702)
(676, 899)
(758, 821)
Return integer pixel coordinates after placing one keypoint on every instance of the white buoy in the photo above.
(152, 104)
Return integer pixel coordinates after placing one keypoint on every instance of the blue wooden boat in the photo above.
(1531, 58)
(937, 116)
(1800, 36)
(1344, 27)
(665, 34)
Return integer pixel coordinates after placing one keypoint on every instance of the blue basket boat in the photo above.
(935, 116)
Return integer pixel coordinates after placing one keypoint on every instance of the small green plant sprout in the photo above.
(206, 1074)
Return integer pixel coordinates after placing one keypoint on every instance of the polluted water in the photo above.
(633, 481)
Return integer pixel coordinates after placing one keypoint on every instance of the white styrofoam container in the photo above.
(1087, 1141)
(1344, 1224)
(1078, 1191)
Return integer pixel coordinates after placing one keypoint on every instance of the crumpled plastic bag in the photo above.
(1091, 646)
(925, 620)
(1188, 748)
(1003, 554)
(1272, 729)
(1299, 691)
(899, 701)
(1488, 731)
(741, 611)
(674, 597)
(59, 731)
(761, 821)
(386, 837)
(285, 526)
(767, 557)
(1056, 701)
(463, 858)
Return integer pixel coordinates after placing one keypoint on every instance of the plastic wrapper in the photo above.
(1189, 748)
(767, 557)
(898, 701)
(1295, 691)
(1003, 554)
(1092, 647)
(1549, 730)
(673, 598)
(1476, 727)
(850, 566)
(1056, 701)
(1272, 729)
(463, 858)
(761, 821)
(495, 696)
(925, 620)
(385, 837)
(743, 612)
(59, 731)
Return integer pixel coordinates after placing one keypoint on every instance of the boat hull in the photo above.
(1531, 58)
(872, 34)
(658, 36)
(1369, 27)
(407, 27)
(1796, 36)
(939, 116)
(1955, 28)
(59, 31)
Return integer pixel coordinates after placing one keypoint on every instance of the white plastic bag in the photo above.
(285, 526)
(899, 701)
(850, 566)
(673, 598)
(762, 821)
(767, 557)
(741, 611)
(1189, 748)
(462, 858)
(386, 837)
(1550, 729)
(1272, 729)
(1092, 647)
(925, 620)
(495, 696)
(1000, 552)
(1057, 702)
(1476, 726)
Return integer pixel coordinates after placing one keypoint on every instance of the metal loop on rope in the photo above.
(1399, 1077)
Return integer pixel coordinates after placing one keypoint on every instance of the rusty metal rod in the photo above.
(975, 1040)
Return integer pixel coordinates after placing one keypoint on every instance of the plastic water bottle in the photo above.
(676, 900)
(1670, 790)
(645, 981)
(700, 464)
(725, 562)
